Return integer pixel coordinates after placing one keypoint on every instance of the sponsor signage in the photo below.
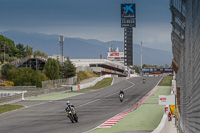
(157, 70)
(145, 69)
(167, 70)
(114, 54)
(166, 99)
(166, 109)
(128, 10)
(128, 15)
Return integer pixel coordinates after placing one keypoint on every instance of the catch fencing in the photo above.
(10, 98)
(11, 95)
(58, 82)
(186, 51)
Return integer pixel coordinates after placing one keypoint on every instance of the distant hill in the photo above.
(85, 48)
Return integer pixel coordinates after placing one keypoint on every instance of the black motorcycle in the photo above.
(144, 80)
(72, 115)
(121, 95)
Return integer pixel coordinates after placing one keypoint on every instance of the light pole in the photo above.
(4, 53)
(61, 42)
(141, 55)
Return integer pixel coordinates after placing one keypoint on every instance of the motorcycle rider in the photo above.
(69, 107)
(144, 80)
(121, 92)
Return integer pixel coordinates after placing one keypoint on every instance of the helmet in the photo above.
(68, 102)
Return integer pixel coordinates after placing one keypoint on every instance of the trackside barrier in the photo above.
(8, 96)
(82, 86)
(86, 85)
(18, 87)
(165, 126)
(29, 93)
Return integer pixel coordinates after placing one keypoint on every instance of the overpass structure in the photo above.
(102, 66)
(33, 61)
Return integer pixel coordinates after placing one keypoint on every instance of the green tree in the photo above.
(21, 53)
(39, 53)
(70, 69)
(161, 67)
(29, 50)
(10, 48)
(166, 66)
(144, 66)
(136, 68)
(7, 58)
(26, 77)
(62, 69)
(5, 68)
(51, 69)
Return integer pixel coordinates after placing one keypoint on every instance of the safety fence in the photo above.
(10, 98)
(10, 95)
(18, 87)
(186, 49)
(58, 82)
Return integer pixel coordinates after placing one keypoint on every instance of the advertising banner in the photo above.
(166, 99)
(128, 15)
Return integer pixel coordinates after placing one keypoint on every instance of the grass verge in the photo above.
(145, 118)
(166, 81)
(9, 107)
(55, 96)
(101, 84)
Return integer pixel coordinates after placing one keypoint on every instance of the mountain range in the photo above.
(75, 48)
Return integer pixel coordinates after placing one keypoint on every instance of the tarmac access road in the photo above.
(93, 108)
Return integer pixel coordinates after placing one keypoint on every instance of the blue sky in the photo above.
(89, 19)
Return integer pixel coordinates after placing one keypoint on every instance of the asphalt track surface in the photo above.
(93, 108)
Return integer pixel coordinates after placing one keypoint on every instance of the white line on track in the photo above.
(105, 97)
(87, 103)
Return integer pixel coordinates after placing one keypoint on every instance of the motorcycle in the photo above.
(144, 81)
(72, 115)
(121, 97)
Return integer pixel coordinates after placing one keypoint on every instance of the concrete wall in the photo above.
(86, 85)
(165, 126)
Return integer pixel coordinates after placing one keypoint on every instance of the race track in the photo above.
(93, 108)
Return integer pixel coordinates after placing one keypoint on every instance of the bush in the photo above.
(85, 75)
(26, 77)
(8, 83)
